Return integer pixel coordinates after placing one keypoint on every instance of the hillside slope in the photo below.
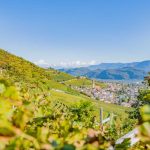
(143, 65)
(20, 70)
(39, 104)
(117, 74)
(39, 80)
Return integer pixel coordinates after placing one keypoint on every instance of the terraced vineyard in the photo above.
(71, 100)
(59, 76)
(40, 110)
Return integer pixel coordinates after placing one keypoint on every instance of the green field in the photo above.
(59, 76)
(83, 82)
(70, 100)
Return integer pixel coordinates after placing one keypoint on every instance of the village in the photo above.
(115, 92)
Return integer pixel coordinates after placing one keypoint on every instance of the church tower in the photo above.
(93, 83)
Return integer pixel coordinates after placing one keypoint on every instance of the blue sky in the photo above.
(76, 32)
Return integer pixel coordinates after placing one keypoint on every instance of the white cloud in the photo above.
(63, 64)
(93, 62)
(41, 62)
(74, 64)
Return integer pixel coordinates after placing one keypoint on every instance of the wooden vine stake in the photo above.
(101, 118)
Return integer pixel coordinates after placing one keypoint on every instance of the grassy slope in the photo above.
(59, 76)
(71, 99)
(83, 82)
(20, 70)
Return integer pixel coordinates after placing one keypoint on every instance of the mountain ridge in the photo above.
(117, 71)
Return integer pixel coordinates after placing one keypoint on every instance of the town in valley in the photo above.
(116, 92)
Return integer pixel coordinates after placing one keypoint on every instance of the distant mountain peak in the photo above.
(133, 70)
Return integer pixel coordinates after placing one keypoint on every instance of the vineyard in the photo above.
(39, 110)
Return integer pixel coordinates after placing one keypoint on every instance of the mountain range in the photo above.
(115, 71)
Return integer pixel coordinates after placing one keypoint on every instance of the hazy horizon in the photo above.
(73, 64)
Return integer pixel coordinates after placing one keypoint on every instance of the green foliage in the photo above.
(144, 128)
(59, 76)
(123, 146)
(19, 129)
(144, 97)
(39, 110)
(83, 112)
